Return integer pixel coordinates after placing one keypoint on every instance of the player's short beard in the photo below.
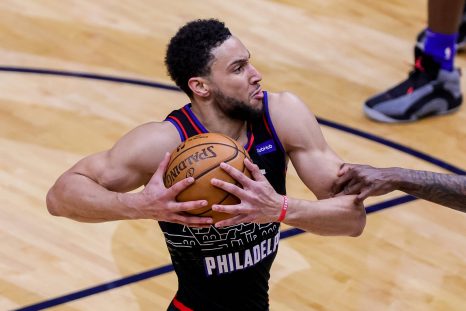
(237, 109)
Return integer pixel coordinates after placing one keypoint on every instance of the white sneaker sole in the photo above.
(380, 117)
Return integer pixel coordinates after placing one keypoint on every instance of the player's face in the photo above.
(235, 81)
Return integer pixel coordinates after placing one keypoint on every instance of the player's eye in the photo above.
(238, 69)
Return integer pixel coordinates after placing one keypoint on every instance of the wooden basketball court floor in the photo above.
(333, 54)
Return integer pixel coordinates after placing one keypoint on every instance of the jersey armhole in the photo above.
(181, 131)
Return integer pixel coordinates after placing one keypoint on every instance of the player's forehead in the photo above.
(230, 51)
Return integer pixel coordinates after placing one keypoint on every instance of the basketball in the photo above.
(200, 157)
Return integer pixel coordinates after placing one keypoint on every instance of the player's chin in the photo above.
(256, 103)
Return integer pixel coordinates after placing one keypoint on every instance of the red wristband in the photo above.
(284, 208)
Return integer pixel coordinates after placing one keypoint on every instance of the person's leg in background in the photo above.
(460, 39)
(433, 87)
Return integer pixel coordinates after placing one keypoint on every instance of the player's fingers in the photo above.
(236, 174)
(181, 185)
(189, 205)
(228, 187)
(341, 170)
(340, 183)
(157, 177)
(344, 169)
(162, 167)
(353, 187)
(229, 209)
(365, 193)
(254, 169)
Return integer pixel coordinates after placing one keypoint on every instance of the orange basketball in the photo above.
(200, 157)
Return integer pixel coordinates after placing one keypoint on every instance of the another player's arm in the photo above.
(317, 166)
(364, 180)
(96, 188)
(444, 189)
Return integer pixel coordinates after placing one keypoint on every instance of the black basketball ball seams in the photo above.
(169, 183)
(215, 166)
(182, 147)
(192, 138)
(200, 157)
(190, 160)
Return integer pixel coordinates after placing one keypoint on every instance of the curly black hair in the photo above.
(189, 51)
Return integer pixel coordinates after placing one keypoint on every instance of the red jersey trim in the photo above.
(250, 142)
(180, 126)
(266, 124)
(180, 306)
(191, 120)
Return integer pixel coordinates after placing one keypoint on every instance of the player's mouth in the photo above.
(258, 94)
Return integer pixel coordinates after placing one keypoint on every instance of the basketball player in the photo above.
(433, 86)
(218, 267)
(363, 180)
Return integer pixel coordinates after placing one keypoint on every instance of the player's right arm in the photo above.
(96, 188)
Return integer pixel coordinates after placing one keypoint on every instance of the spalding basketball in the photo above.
(200, 157)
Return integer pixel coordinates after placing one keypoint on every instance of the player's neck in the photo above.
(216, 122)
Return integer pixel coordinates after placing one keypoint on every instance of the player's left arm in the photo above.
(316, 164)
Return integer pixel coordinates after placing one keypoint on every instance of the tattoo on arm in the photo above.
(444, 189)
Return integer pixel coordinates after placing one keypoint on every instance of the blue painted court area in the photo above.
(284, 234)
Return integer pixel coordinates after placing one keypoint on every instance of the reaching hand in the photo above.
(260, 203)
(363, 180)
(160, 203)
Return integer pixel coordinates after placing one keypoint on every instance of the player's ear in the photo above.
(199, 86)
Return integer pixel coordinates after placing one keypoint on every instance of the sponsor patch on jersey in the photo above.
(266, 147)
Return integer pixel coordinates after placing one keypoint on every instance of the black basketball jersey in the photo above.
(227, 268)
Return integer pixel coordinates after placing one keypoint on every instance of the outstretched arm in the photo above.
(363, 180)
(96, 188)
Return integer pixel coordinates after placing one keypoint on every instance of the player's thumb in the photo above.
(160, 172)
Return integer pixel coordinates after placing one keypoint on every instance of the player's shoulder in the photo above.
(280, 97)
(147, 142)
(153, 135)
(291, 118)
(287, 105)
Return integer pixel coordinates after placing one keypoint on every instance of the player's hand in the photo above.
(158, 202)
(363, 180)
(260, 203)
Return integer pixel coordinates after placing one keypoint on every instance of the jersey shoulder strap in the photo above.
(185, 122)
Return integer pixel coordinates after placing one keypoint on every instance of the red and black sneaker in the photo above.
(428, 91)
